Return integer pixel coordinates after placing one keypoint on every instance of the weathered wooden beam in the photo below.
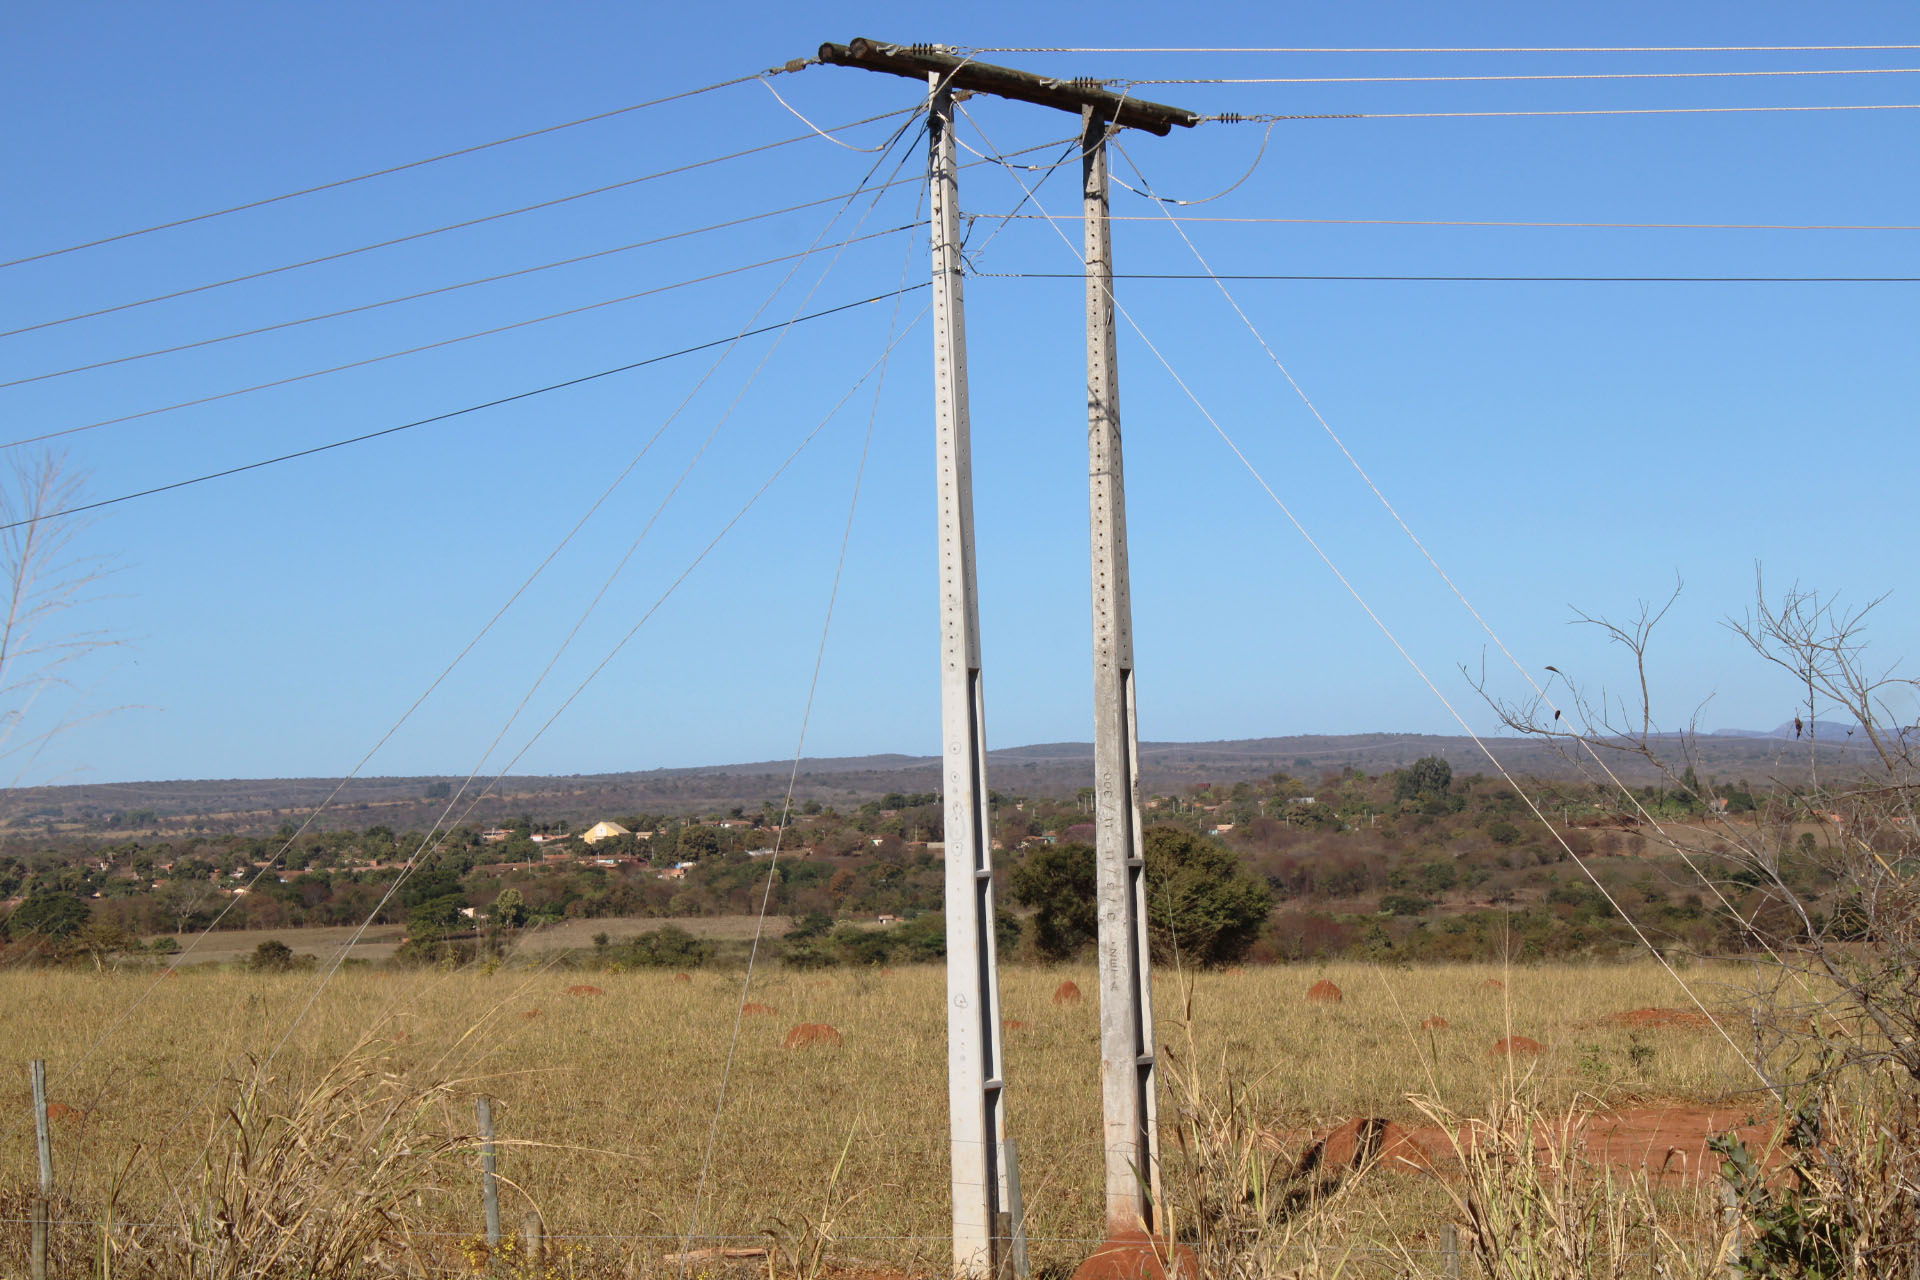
(956, 72)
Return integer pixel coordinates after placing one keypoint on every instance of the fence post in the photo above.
(533, 1235)
(489, 1185)
(1450, 1251)
(1731, 1223)
(44, 1140)
(1014, 1238)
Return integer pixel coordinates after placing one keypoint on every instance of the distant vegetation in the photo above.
(1410, 864)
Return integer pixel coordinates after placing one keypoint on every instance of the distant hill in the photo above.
(1832, 731)
(1049, 769)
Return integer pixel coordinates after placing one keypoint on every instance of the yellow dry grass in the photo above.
(606, 1104)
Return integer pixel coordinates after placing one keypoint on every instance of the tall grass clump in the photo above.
(320, 1184)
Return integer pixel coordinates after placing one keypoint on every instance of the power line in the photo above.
(1693, 48)
(391, 169)
(455, 413)
(449, 288)
(1474, 222)
(452, 226)
(1263, 118)
(466, 284)
(1570, 75)
(434, 346)
(1439, 279)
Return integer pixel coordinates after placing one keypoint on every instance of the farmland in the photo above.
(606, 1103)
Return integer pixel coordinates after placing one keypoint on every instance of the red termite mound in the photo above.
(1013, 1024)
(811, 1033)
(1135, 1255)
(61, 1111)
(1494, 984)
(1359, 1143)
(583, 989)
(1067, 992)
(533, 1013)
(681, 977)
(758, 1009)
(1324, 992)
(1517, 1047)
(1435, 1023)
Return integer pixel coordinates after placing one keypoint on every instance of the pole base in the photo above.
(1136, 1255)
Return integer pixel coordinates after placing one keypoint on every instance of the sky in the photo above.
(629, 573)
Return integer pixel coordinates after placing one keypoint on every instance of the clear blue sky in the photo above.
(1554, 444)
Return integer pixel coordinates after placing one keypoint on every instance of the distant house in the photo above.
(604, 831)
(554, 838)
(1220, 829)
(498, 835)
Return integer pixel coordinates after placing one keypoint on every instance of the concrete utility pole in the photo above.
(976, 1083)
(985, 1180)
(1127, 1092)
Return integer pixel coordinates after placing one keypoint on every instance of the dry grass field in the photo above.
(606, 1103)
(380, 941)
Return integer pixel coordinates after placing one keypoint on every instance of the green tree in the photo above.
(273, 956)
(1057, 882)
(510, 909)
(1203, 907)
(1429, 776)
(48, 915)
(435, 918)
(670, 947)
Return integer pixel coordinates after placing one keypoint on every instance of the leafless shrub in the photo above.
(47, 579)
(1819, 883)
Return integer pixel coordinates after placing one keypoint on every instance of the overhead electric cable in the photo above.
(467, 284)
(455, 413)
(433, 346)
(1469, 222)
(391, 169)
(1438, 279)
(434, 231)
(430, 293)
(1672, 48)
(1565, 75)
(1263, 118)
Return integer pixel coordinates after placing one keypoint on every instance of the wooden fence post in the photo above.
(38, 1259)
(489, 1184)
(1450, 1251)
(1731, 1223)
(533, 1235)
